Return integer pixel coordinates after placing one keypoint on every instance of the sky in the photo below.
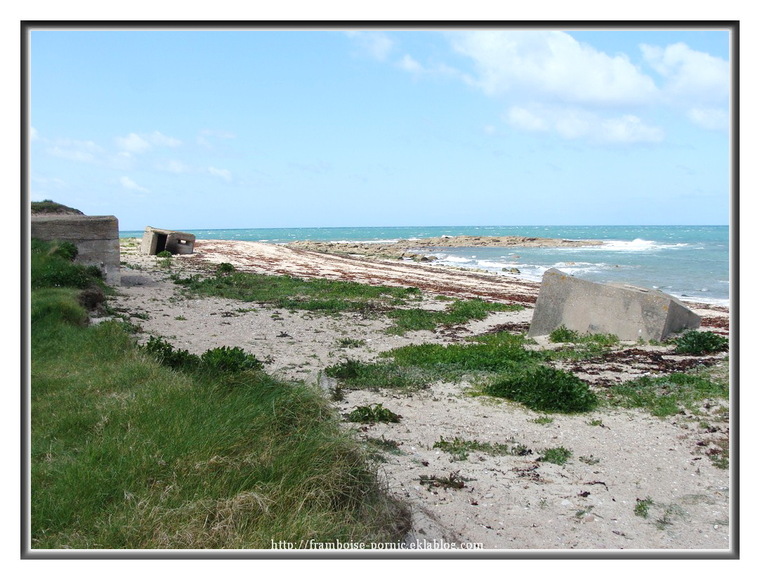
(255, 128)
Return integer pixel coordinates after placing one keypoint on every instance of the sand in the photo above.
(503, 502)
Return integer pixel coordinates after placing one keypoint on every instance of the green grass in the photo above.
(501, 360)
(667, 395)
(128, 453)
(289, 292)
(556, 455)
(335, 296)
(418, 366)
(53, 267)
(458, 312)
(493, 354)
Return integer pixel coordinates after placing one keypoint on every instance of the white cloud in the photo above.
(553, 66)
(408, 64)
(127, 183)
(173, 166)
(132, 143)
(204, 137)
(578, 123)
(33, 135)
(713, 119)
(85, 151)
(688, 73)
(136, 144)
(629, 129)
(223, 173)
(159, 139)
(522, 118)
(377, 44)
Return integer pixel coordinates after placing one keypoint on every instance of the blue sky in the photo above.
(191, 129)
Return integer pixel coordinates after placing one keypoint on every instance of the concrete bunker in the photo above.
(96, 239)
(629, 312)
(156, 240)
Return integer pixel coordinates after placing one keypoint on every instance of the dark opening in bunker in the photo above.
(161, 242)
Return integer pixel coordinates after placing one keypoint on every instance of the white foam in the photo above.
(637, 245)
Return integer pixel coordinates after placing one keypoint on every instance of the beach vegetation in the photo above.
(556, 455)
(131, 453)
(347, 342)
(376, 413)
(642, 507)
(543, 420)
(354, 374)
(387, 445)
(460, 449)
(546, 389)
(581, 346)
(452, 481)
(289, 292)
(49, 206)
(697, 342)
(224, 268)
(669, 394)
(53, 266)
(457, 312)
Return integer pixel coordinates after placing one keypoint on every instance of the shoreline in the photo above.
(395, 268)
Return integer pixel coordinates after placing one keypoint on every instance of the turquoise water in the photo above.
(690, 262)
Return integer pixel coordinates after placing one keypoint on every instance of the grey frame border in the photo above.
(26, 27)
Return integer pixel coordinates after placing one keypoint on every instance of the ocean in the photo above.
(691, 263)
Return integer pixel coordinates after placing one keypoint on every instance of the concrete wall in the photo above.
(96, 238)
(628, 312)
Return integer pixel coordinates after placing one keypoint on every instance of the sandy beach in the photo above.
(513, 502)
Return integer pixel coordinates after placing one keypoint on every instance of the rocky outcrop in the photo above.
(418, 249)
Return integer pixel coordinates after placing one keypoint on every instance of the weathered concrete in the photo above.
(628, 312)
(96, 239)
(156, 240)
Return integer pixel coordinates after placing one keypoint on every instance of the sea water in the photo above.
(689, 262)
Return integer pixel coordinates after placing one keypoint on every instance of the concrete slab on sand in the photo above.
(628, 312)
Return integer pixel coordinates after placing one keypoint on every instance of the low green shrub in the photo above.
(556, 455)
(497, 356)
(224, 268)
(700, 342)
(373, 414)
(543, 388)
(225, 359)
(167, 355)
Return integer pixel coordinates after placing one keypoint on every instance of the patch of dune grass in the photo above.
(128, 453)
(458, 312)
(319, 294)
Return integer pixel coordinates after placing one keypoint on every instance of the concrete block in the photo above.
(628, 312)
(96, 239)
(156, 240)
